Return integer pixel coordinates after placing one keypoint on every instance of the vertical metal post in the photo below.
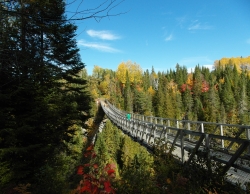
(168, 126)
(207, 144)
(166, 133)
(182, 146)
(188, 128)
(202, 128)
(222, 134)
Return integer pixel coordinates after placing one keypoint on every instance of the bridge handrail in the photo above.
(179, 133)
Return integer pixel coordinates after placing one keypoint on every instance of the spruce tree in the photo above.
(242, 102)
(227, 95)
(158, 101)
(42, 95)
(128, 101)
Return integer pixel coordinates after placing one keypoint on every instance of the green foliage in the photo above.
(128, 101)
(206, 176)
(202, 95)
(42, 95)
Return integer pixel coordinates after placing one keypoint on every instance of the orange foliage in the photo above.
(204, 87)
(190, 81)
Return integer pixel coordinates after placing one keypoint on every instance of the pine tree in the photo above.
(146, 80)
(42, 95)
(213, 104)
(128, 101)
(242, 102)
(158, 101)
(227, 95)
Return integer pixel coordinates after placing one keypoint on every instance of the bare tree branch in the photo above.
(99, 12)
(103, 10)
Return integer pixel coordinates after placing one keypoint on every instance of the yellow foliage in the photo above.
(134, 72)
(94, 93)
(172, 86)
(97, 72)
(103, 87)
(222, 80)
(151, 91)
(190, 81)
(121, 72)
(240, 63)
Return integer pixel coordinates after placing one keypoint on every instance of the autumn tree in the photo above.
(134, 72)
(240, 63)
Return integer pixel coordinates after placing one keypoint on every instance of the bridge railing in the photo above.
(221, 129)
(217, 139)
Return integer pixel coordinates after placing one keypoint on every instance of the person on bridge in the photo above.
(128, 116)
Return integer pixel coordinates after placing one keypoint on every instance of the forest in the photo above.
(218, 95)
(49, 116)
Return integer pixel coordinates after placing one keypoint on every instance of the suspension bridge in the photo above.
(225, 143)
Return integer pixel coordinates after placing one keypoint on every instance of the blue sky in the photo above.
(162, 33)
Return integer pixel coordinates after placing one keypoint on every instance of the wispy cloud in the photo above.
(181, 21)
(98, 46)
(169, 38)
(196, 25)
(248, 41)
(103, 34)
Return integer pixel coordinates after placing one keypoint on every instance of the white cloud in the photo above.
(191, 69)
(98, 46)
(169, 37)
(196, 25)
(103, 34)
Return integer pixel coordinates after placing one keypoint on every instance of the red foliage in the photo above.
(107, 186)
(93, 182)
(93, 155)
(110, 171)
(184, 87)
(90, 147)
(80, 170)
(205, 86)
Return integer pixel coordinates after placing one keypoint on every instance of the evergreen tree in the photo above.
(158, 101)
(213, 104)
(227, 95)
(142, 103)
(180, 75)
(128, 101)
(242, 101)
(146, 80)
(42, 95)
(187, 102)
